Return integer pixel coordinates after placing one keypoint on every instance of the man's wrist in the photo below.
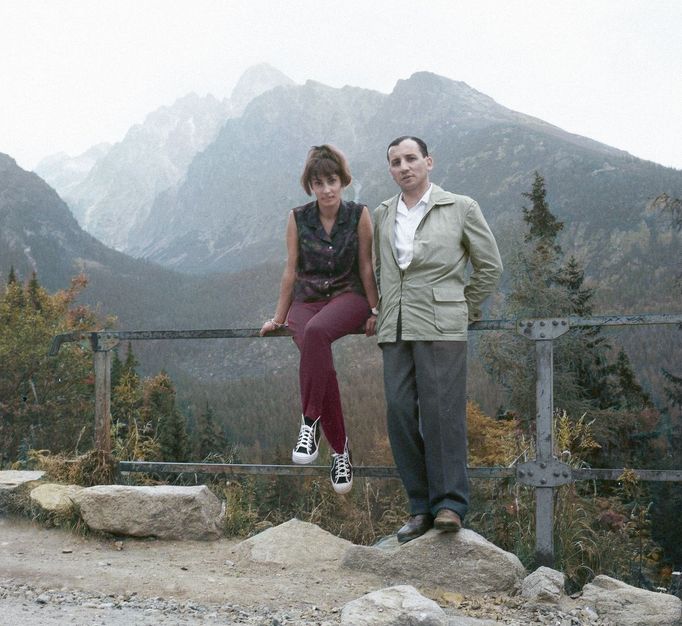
(375, 311)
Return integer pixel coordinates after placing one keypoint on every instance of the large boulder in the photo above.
(166, 512)
(12, 484)
(294, 543)
(462, 562)
(625, 605)
(391, 607)
(55, 498)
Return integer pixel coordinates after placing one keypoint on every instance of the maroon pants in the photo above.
(316, 325)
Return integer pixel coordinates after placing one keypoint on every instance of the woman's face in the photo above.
(327, 190)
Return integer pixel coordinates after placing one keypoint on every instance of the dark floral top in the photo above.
(327, 264)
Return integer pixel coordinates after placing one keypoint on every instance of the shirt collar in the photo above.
(313, 217)
(423, 200)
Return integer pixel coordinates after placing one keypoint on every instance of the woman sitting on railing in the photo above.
(327, 291)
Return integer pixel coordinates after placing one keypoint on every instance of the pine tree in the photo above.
(572, 277)
(131, 363)
(631, 394)
(159, 410)
(33, 293)
(544, 227)
(209, 437)
(116, 369)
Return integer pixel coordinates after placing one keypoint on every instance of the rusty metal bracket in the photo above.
(550, 473)
(543, 329)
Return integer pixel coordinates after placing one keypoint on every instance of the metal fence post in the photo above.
(103, 402)
(102, 343)
(544, 472)
(544, 495)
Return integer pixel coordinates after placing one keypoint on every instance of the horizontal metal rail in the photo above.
(99, 340)
(370, 471)
(244, 469)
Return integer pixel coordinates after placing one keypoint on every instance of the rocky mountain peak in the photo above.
(256, 80)
(458, 99)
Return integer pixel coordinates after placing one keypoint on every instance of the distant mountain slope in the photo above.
(64, 172)
(39, 233)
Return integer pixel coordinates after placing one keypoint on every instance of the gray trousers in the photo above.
(425, 386)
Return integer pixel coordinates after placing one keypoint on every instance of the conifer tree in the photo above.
(131, 363)
(209, 436)
(543, 226)
(116, 369)
(160, 411)
(33, 293)
(631, 394)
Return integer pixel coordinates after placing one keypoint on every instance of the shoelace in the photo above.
(342, 467)
(305, 438)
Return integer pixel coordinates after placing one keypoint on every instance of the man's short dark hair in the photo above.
(420, 142)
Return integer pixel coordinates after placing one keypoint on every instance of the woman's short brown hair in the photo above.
(325, 160)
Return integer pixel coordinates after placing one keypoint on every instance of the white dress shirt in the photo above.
(406, 222)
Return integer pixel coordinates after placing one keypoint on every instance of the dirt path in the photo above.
(162, 577)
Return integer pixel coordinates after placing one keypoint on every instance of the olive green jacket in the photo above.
(432, 294)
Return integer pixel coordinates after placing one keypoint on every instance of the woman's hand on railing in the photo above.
(270, 326)
(371, 325)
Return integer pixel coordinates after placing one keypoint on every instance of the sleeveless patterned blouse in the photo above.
(327, 264)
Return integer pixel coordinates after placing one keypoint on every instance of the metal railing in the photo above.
(544, 473)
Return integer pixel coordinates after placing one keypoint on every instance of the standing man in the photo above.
(424, 238)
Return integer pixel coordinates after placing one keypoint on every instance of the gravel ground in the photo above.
(25, 605)
(31, 606)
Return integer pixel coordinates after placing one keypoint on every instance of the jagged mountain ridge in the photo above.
(115, 195)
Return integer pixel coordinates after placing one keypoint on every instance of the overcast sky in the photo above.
(74, 73)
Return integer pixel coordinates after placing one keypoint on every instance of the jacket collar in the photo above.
(438, 197)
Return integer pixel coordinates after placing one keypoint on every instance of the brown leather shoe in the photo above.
(448, 521)
(415, 527)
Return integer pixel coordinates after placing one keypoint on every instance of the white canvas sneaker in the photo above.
(308, 443)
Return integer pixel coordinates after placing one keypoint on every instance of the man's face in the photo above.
(408, 167)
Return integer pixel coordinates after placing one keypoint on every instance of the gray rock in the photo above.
(394, 606)
(463, 562)
(166, 512)
(293, 543)
(11, 482)
(55, 498)
(11, 479)
(544, 585)
(625, 605)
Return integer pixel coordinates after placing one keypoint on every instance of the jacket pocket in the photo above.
(450, 309)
